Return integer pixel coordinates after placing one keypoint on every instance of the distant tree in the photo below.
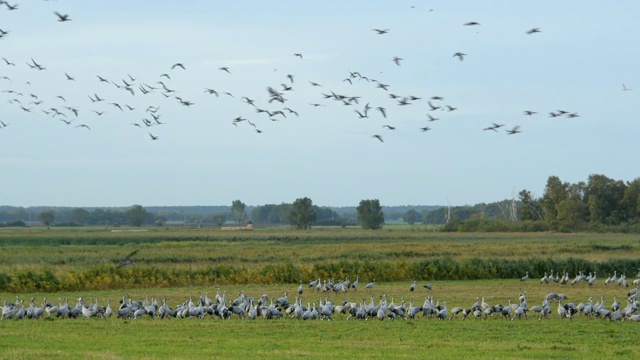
(284, 212)
(136, 216)
(160, 220)
(424, 213)
(411, 216)
(302, 214)
(219, 219)
(238, 212)
(80, 216)
(370, 214)
(46, 217)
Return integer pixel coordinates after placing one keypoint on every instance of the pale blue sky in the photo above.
(578, 62)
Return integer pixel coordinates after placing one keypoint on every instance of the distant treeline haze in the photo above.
(599, 204)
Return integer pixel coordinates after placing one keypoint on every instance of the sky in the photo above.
(578, 62)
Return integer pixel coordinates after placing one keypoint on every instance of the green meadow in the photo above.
(176, 263)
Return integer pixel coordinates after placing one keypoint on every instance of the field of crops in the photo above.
(178, 263)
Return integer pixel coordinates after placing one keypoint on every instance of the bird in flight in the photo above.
(471, 23)
(380, 31)
(424, 129)
(298, 55)
(529, 112)
(624, 87)
(515, 130)
(153, 137)
(9, 63)
(460, 55)
(211, 91)
(178, 65)
(69, 77)
(397, 60)
(62, 17)
(37, 66)
(224, 68)
(127, 260)
(433, 107)
(389, 127)
(533, 31)
(379, 137)
(84, 126)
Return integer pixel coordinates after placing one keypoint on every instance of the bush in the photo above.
(16, 223)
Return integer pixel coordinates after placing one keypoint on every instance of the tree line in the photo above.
(599, 204)
(302, 214)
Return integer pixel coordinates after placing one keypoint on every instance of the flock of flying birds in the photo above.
(28, 100)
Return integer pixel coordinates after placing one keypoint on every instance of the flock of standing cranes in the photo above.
(364, 309)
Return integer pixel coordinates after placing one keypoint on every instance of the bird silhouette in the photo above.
(180, 65)
(62, 17)
(515, 130)
(460, 55)
(533, 31)
(379, 137)
(127, 260)
(380, 31)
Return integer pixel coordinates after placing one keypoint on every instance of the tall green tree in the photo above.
(136, 216)
(604, 196)
(411, 216)
(370, 215)
(573, 212)
(530, 208)
(554, 192)
(46, 217)
(630, 203)
(302, 214)
(238, 212)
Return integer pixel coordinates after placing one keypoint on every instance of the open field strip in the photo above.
(496, 337)
(274, 260)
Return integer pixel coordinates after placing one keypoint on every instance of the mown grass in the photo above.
(146, 338)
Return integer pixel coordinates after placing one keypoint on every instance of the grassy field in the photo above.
(167, 257)
(79, 258)
(579, 338)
